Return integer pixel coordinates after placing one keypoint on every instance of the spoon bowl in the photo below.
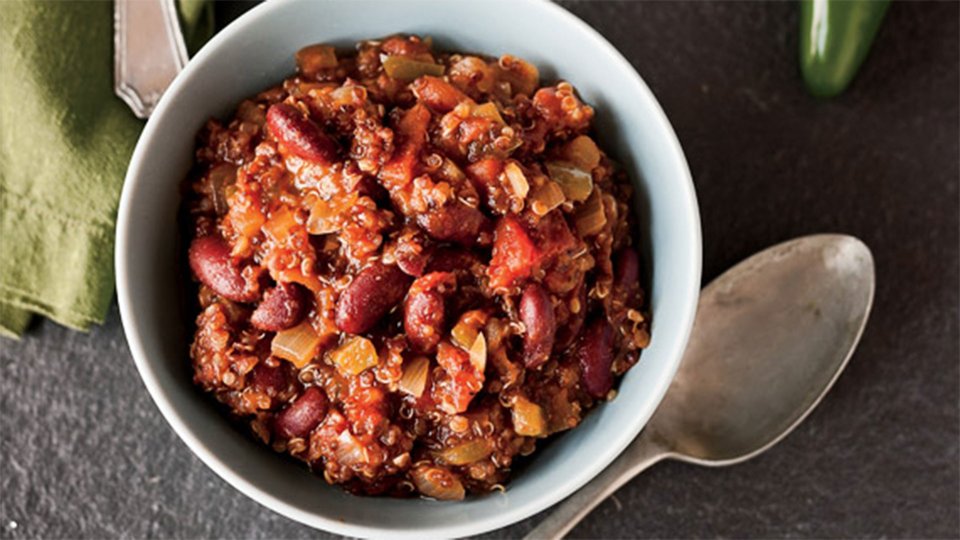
(771, 336)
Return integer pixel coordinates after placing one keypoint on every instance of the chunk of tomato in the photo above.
(514, 254)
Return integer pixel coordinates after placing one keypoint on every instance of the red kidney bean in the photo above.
(304, 414)
(404, 46)
(371, 294)
(626, 272)
(596, 357)
(413, 264)
(212, 264)
(454, 259)
(424, 313)
(299, 135)
(437, 94)
(536, 313)
(271, 380)
(282, 307)
(413, 252)
(455, 222)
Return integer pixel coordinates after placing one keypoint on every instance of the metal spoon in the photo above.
(771, 336)
(149, 51)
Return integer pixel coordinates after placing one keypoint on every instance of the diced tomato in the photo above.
(461, 380)
(473, 128)
(553, 236)
(246, 213)
(398, 172)
(405, 46)
(367, 410)
(486, 170)
(514, 254)
(547, 103)
(560, 108)
(411, 131)
(484, 175)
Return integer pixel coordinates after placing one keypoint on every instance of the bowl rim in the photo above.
(507, 516)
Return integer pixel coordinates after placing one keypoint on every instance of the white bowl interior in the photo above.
(256, 52)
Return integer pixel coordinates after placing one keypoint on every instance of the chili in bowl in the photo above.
(413, 265)
(362, 368)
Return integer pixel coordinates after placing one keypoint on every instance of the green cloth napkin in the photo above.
(65, 141)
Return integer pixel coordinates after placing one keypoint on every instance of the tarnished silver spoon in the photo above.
(771, 336)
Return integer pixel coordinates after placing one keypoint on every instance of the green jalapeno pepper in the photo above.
(835, 37)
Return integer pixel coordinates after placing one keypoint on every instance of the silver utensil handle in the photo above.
(642, 453)
(149, 51)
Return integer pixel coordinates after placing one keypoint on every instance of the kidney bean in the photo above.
(370, 295)
(413, 264)
(596, 357)
(626, 272)
(271, 380)
(454, 259)
(413, 252)
(282, 307)
(536, 313)
(299, 135)
(405, 46)
(212, 264)
(455, 222)
(304, 414)
(437, 94)
(424, 313)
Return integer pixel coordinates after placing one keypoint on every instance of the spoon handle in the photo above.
(643, 452)
(149, 51)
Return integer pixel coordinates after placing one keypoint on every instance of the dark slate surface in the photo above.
(85, 453)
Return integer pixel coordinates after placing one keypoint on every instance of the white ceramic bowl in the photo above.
(255, 52)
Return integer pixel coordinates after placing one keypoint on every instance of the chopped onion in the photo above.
(349, 451)
(438, 483)
(405, 69)
(590, 217)
(546, 197)
(466, 453)
(464, 334)
(518, 180)
(582, 152)
(348, 94)
(323, 219)
(414, 378)
(528, 418)
(221, 177)
(450, 171)
(354, 355)
(281, 223)
(325, 215)
(298, 344)
(316, 57)
(576, 183)
(489, 111)
(478, 353)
